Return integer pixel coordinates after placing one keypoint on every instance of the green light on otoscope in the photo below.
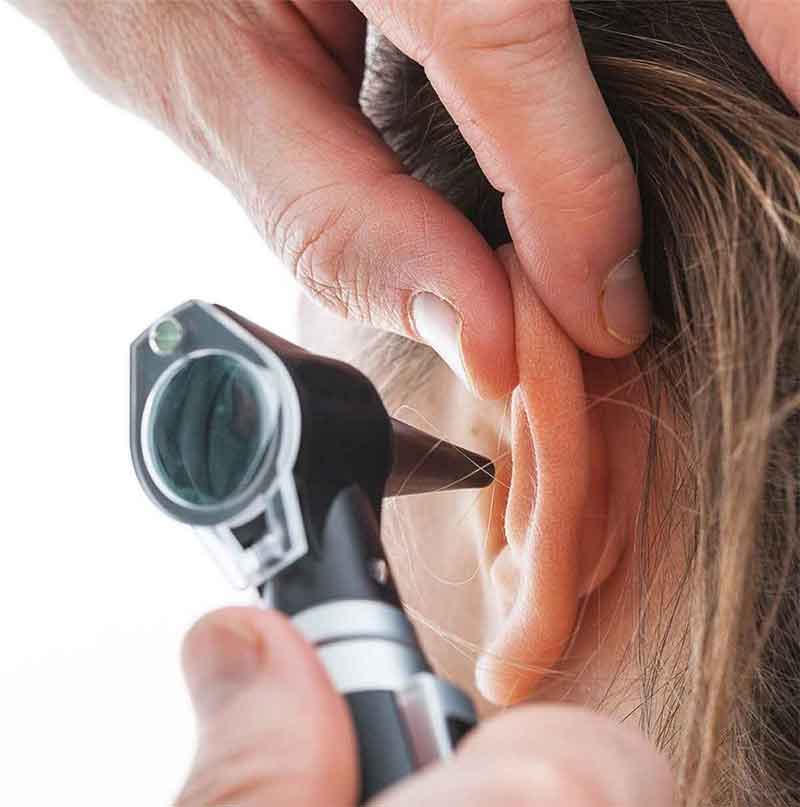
(166, 337)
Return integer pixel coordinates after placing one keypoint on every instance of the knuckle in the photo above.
(412, 26)
(319, 264)
(319, 252)
(593, 186)
(537, 33)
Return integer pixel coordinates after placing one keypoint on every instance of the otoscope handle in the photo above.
(404, 717)
(342, 598)
(400, 732)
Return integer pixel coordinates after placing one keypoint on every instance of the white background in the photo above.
(104, 225)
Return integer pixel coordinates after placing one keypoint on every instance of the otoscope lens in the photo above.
(211, 426)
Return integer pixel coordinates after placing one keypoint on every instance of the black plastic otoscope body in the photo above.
(304, 529)
(341, 594)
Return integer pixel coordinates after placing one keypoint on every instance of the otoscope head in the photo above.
(251, 440)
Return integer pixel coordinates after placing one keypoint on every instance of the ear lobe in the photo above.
(558, 478)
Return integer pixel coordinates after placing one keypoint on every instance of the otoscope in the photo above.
(280, 459)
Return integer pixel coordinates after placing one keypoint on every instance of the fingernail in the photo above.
(439, 325)
(220, 660)
(625, 304)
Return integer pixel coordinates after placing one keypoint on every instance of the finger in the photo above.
(254, 684)
(362, 237)
(773, 29)
(342, 29)
(612, 763)
(516, 79)
(545, 756)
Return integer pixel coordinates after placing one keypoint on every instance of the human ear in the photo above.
(555, 543)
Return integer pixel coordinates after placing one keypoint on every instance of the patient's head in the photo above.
(639, 552)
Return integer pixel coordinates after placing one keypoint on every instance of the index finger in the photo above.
(771, 27)
(515, 78)
(544, 756)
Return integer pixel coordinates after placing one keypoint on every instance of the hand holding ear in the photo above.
(264, 94)
(272, 731)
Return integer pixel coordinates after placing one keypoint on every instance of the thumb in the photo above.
(271, 728)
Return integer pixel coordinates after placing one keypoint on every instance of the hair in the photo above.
(716, 148)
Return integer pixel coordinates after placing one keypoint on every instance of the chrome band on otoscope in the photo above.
(368, 647)
(354, 619)
(363, 645)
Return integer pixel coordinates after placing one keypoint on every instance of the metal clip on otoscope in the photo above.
(280, 460)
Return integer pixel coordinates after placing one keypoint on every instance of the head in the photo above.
(639, 552)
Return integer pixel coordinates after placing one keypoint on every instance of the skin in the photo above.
(550, 543)
(251, 675)
(264, 95)
(483, 581)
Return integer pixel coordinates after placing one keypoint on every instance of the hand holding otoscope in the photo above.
(280, 460)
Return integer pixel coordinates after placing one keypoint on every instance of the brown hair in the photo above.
(717, 152)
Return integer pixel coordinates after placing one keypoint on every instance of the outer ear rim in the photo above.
(533, 635)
